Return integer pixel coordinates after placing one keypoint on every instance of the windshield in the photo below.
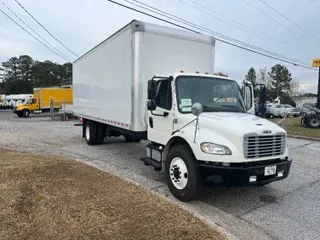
(214, 94)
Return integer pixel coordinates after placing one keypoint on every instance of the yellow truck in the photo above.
(42, 100)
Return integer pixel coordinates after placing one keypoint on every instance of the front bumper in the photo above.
(239, 174)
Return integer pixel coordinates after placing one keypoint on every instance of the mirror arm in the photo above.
(184, 126)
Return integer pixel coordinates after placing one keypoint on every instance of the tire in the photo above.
(26, 113)
(20, 114)
(313, 121)
(271, 116)
(91, 133)
(180, 158)
(101, 133)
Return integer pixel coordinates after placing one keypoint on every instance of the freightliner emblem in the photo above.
(266, 131)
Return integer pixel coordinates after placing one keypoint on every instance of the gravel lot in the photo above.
(287, 209)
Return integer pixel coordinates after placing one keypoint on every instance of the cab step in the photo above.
(150, 162)
(154, 156)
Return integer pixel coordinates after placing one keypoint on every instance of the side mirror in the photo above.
(263, 95)
(152, 86)
(196, 109)
(151, 105)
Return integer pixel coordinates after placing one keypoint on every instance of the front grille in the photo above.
(264, 146)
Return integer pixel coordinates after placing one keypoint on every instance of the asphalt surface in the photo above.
(288, 209)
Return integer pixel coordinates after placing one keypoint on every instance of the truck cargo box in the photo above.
(59, 95)
(110, 81)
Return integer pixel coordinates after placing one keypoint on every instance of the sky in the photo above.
(82, 24)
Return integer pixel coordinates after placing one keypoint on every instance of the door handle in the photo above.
(164, 114)
(151, 122)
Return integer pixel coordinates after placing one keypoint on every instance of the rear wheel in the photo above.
(182, 174)
(271, 116)
(91, 133)
(101, 133)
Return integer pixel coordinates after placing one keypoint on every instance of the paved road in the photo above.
(288, 209)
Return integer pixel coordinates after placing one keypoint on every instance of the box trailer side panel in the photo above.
(58, 95)
(102, 81)
(110, 81)
(62, 96)
(166, 51)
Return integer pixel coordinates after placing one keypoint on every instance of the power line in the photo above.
(291, 30)
(44, 27)
(173, 17)
(270, 54)
(31, 34)
(243, 26)
(60, 53)
(288, 19)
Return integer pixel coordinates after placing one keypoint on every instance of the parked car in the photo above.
(303, 110)
(281, 110)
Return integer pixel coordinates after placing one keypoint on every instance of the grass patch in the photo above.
(293, 126)
(50, 198)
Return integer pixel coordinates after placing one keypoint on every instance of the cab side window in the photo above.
(164, 96)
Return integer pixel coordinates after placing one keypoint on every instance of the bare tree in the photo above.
(295, 89)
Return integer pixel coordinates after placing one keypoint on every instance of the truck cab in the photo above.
(26, 107)
(202, 126)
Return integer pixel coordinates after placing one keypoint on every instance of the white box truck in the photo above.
(155, 83)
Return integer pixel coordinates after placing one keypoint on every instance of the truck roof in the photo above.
(201, 75)
(140, 26)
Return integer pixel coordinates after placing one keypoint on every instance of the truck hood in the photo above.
(237, 123)
(21, 105)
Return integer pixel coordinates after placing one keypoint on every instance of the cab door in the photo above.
(160, 120)
(34, 104)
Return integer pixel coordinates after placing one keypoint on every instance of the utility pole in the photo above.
(318, 95)
(316, 63)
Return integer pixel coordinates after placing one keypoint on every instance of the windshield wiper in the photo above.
(234, 107)
(208, 109)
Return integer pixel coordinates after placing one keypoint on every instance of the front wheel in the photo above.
(26, 113)
(182, 174)
(20, 114)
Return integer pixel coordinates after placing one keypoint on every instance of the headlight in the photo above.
(215, 149)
